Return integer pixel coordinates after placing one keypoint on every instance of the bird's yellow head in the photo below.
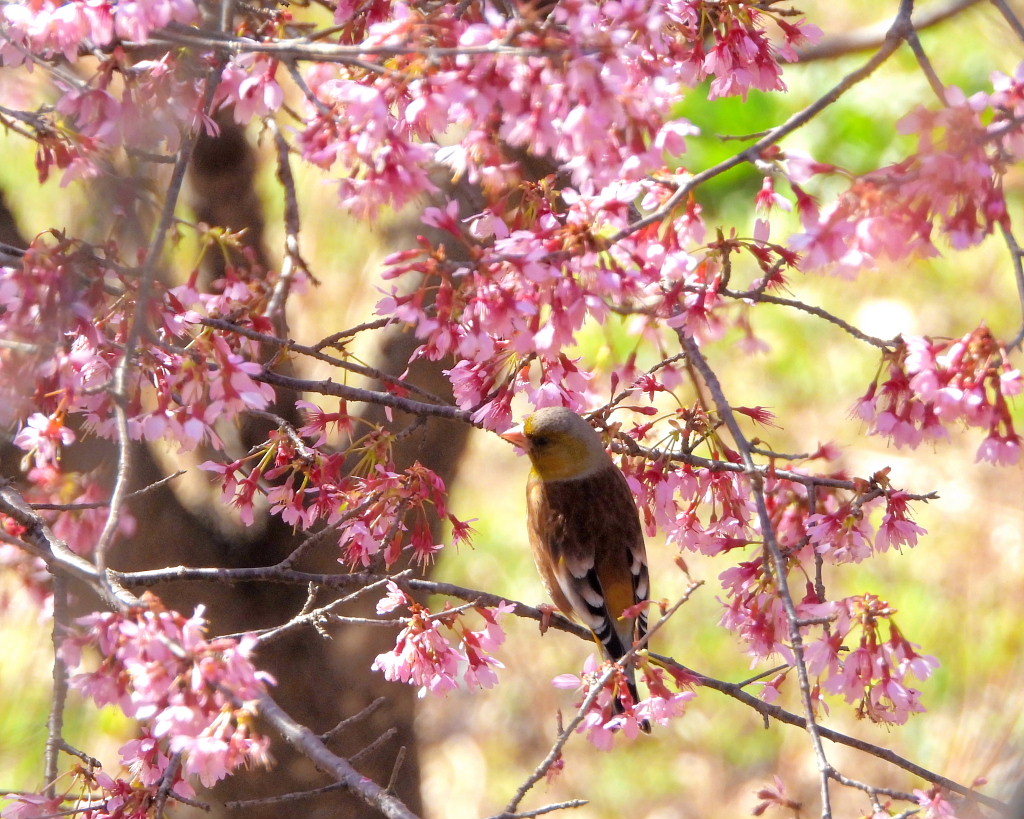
(561, 445)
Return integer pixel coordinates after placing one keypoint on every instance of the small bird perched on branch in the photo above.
(585, 530)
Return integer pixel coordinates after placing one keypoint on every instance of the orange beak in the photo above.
(516, 437)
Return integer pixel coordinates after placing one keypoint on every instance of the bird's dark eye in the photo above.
(541, 440)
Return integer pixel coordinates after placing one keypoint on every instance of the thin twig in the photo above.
(147, 274)
(373, 746)
(55, 724)
(528, 814)
(365, 713)
(1012, 19)
(292, 261)
(393, 779)
(241, 804)
(563, 737)
(871, 790)
(167, 784)
(312, 747)
(814, 310)
(926, 66)
(73, 507)
(871, 37)
(628, 446)
(314, 616)
(385, 399)
(315, 353)
(333, 339)
(623, 662)
(1017, 259)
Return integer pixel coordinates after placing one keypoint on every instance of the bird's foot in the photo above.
(547, 612)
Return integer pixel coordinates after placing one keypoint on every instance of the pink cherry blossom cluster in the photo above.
(424, 654)
(589, 84)
(852, 659)
(379, 510)
(848, 657)
(125, 105)
(249, 83)
(614, 713)
(697, 509)
(843, 531)
(69, 310)
(931, 384)
(543, 265)
(158, 667)
(952, 184)
(48, 28)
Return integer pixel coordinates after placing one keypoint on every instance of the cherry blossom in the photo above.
(424, 654)
(158, 668)
(933, 383)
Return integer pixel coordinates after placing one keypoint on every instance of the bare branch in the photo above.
(926, 66)
(1012, 19)
(73, 507)
(384, 399)
(310, 745)
(372, 708)
(871, 37)
(814, 310)
(242, 804)
(528, 814)
(317, 354)
(1017, 259)
(293, 260)
(770, 711)
(55, 724)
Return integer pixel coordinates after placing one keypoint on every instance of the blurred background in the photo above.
(958, 594)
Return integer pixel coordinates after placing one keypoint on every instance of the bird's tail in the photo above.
(615, 649)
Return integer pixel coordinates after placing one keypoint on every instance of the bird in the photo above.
(585, 530)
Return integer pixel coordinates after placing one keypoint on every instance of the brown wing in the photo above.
(589, 548)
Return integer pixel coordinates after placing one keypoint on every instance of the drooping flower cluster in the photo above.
(189, 692)
(378, 509)
(951, 185)
(932, 384)
(425, 655)
(613, 710)
(852, 659)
